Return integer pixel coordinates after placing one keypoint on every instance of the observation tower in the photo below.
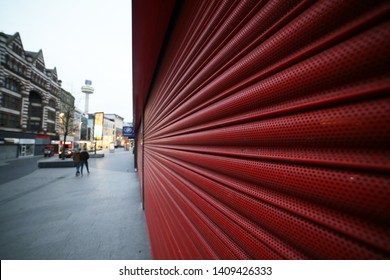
(88, 90)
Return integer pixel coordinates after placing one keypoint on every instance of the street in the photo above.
(49, 213)
(16, 168)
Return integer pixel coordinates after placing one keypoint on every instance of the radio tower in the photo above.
(87, 89)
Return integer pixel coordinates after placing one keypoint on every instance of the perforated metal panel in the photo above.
(266, 132)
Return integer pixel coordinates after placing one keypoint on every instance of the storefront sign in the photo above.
(20, 140)
(128, 131)
(98, 126)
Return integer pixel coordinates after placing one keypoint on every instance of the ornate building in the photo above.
(31, 99)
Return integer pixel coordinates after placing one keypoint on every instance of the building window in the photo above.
(9, 120)
(52, 103)
(17, 49)
(9, 62)
(51, 115)
(34, 125)
(11, 102)
(51, 127)
(40, 67)
(12, 85)
(15, 66)
(35, 97)
(36, 79)
(35, 108)
(6, 61)
(36, 111)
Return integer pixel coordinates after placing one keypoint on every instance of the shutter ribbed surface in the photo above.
(266, 133)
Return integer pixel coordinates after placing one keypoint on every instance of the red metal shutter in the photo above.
(266, 133)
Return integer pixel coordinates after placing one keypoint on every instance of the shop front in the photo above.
(26, 147)
(18, 147)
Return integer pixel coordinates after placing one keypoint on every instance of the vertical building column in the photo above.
(45, 104)
(24, 109)
(57, 122)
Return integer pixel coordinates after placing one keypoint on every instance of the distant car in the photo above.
(48, 151)
(68, 153)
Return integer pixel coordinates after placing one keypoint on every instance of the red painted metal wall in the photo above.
(266, 132)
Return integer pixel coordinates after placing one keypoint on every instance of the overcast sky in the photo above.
(84, 40)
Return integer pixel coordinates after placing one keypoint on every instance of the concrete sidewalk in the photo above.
(52, 214)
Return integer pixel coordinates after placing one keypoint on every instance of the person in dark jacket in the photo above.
(84, 156)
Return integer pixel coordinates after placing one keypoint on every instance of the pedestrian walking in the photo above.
(76, 160)
(84, 156)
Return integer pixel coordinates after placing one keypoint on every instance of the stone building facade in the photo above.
(31, 99)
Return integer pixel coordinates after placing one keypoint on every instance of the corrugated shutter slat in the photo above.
(266, 132)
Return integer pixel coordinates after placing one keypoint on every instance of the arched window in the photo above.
(35, 98)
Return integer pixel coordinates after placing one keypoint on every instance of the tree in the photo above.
(65, 125)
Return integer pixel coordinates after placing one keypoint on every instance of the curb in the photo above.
(55, 164)
(63, 163)
(96, 156)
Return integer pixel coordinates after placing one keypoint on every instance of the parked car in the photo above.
(68, 153)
